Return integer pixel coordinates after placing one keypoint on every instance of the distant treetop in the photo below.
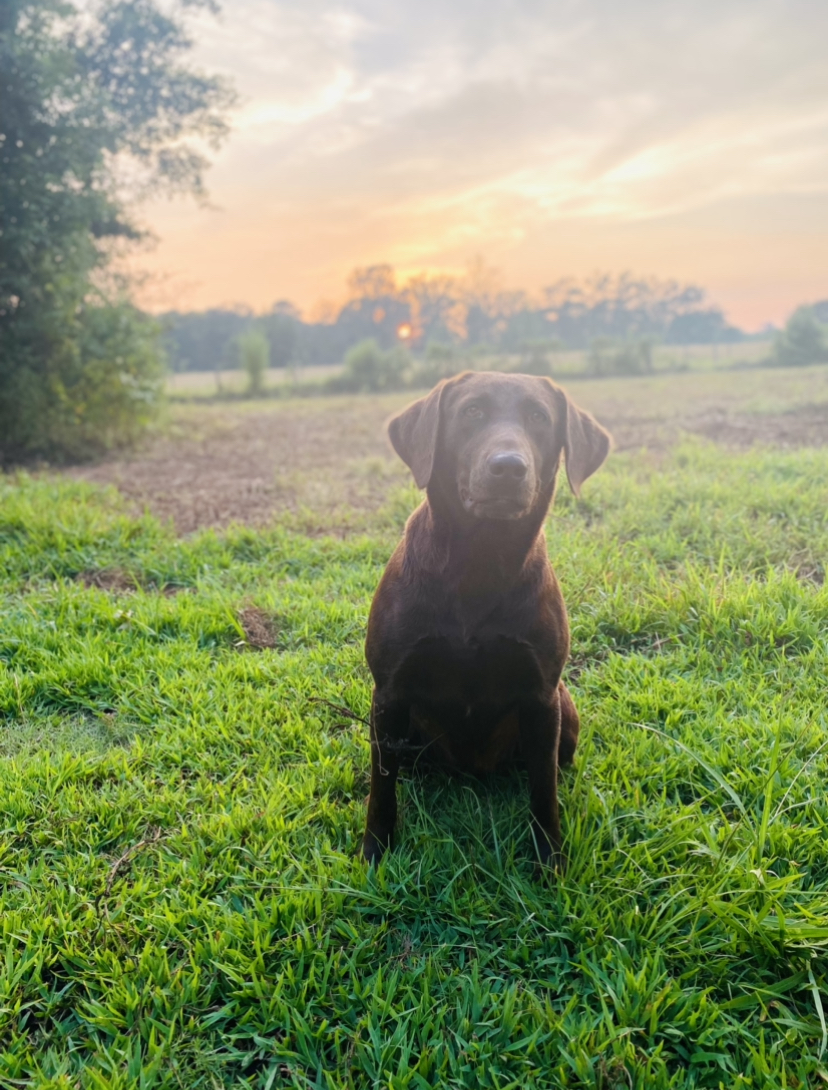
(472, 310)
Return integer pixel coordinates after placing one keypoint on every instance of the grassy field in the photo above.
(179, 897)
(198, 385)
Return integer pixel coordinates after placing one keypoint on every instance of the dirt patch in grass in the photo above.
(811, 571)
(260, 631)
(247, 462)
(117, 581)
(112, 580)
(803, 427)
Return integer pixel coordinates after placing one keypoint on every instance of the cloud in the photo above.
(437, 127)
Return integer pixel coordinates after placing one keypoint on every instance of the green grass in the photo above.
(567, 365)
(180, 903)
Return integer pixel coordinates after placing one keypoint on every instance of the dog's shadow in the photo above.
(481, 818)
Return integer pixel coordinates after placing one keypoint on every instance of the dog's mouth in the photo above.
(494, 507)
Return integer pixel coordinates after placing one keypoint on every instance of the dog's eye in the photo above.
(538, 416)
(474, 412)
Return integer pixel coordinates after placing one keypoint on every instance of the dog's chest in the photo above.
(477, 671)
(464, 697)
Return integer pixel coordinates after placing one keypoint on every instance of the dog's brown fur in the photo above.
(468, 632)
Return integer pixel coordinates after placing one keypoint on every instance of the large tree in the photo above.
(96, 108)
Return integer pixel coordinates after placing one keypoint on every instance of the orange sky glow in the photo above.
(551, 139)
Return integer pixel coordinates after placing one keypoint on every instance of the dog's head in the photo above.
(492, 443)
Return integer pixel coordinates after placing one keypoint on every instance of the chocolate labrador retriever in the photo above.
(468, 632)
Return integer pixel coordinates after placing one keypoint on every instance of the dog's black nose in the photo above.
(508, 464)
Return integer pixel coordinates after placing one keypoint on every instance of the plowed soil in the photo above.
(225, 462)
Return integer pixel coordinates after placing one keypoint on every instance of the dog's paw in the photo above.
(551, 861)
(550, 869)
(372, 849)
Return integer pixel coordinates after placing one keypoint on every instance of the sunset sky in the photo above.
(681, 139)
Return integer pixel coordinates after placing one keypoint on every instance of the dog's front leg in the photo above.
(540, 726)
(388, 724)
(570, 727)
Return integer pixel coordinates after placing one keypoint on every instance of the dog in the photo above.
(468, 632)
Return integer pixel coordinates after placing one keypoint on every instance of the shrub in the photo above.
(254, 354)
(368, 369)
(611, 357)
(440, 361)
(534, 358)
(801, 342)
(97, 387)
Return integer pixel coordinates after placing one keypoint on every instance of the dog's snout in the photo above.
(508, 464)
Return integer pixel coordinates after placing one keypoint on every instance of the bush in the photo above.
(97, 387)
(534, 358)
(801, 342)
(440, 361)
(254, 354)
(368, 369)
(611, 357)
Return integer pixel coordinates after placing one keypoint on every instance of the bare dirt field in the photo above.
(246, 461)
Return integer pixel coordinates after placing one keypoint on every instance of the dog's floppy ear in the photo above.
(413, 434)
(586, 444)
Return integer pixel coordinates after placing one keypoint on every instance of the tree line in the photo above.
(469, 310)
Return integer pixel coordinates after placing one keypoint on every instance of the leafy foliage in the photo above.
(471, 312)
(207, 341)
(802, 341)
(611, 357)
(369, 369)
(254, 352)
(94, 111)
(439, 361)
(180, 901)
